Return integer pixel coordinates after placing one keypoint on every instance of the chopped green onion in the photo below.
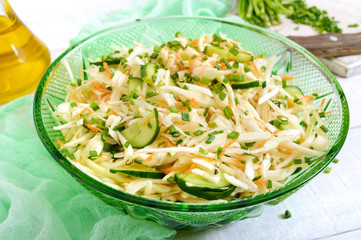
(73, 104)
(256, 178)
(149, 125)
(335, 160)
(161, 143)
(323, 128)
(219, 151)
(269, 183)
(233, 135)
(233, 51)
(126, 144)
(210, 139)
(198, 133)
(222, 95)
(228, 113)
(93, 154)
(173, 109)
(244, 147)
(236, 101)
(250, 144)
(206, 110)
(170, 179)
(101, 69)
(94, 105)
(297, 161)
(138, 161)
(104, 135)
(187, 133)
(327, 170)
(355, 25)
(179, 142)
(203, 151)
(218, 67)
(185, 117)
(287, 214)
(322, 114)
(212, 125)
(205, 80)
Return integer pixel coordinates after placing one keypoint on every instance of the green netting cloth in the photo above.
(38, 199)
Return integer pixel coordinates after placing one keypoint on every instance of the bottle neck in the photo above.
(7, 15)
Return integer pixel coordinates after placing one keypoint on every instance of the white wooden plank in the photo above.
(328, 205)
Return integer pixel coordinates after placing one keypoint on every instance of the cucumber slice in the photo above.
(147, 72)
(245, 84)
(139, 171)
(134, 84)
(224, 52)
(294, 91)
(144, 131)
(201, 187)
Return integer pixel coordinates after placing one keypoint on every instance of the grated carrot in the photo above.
(260, 182)
(286, 149)
(229, 74)
(141, 96)
(256, 72)
(195, 41)
(150, 157)
(287, 78)
(175, 169)
(60, 143)
(323, 102)
(262, 143)
(238, 164)
(260, 123)
(78, 162)
(105, 65)
(95, 129)
(84, 110)
(241, 155)
(193, 166)
(225, 148)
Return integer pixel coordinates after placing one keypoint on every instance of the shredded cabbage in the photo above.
(256, 137)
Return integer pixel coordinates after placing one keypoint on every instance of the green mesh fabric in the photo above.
(39, 200)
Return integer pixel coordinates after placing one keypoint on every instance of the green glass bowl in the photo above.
(309, 74)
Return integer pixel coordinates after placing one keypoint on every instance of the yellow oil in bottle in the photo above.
(23, 57)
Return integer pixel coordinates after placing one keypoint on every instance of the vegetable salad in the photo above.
(190, 120)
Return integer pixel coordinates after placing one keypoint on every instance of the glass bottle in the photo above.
(23, 57)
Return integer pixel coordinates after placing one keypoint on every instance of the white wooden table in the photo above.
(329, 207)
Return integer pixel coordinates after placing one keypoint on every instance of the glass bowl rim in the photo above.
(180, 206)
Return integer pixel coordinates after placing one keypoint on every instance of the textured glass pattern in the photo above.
(310, 75)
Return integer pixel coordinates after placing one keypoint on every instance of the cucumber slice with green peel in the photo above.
(147, 72)
(225, 53)
(135, 84)
(172, 82)
(198, 186)
(139, 171)
(294, 91)
(144, 131)
(246, 84)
